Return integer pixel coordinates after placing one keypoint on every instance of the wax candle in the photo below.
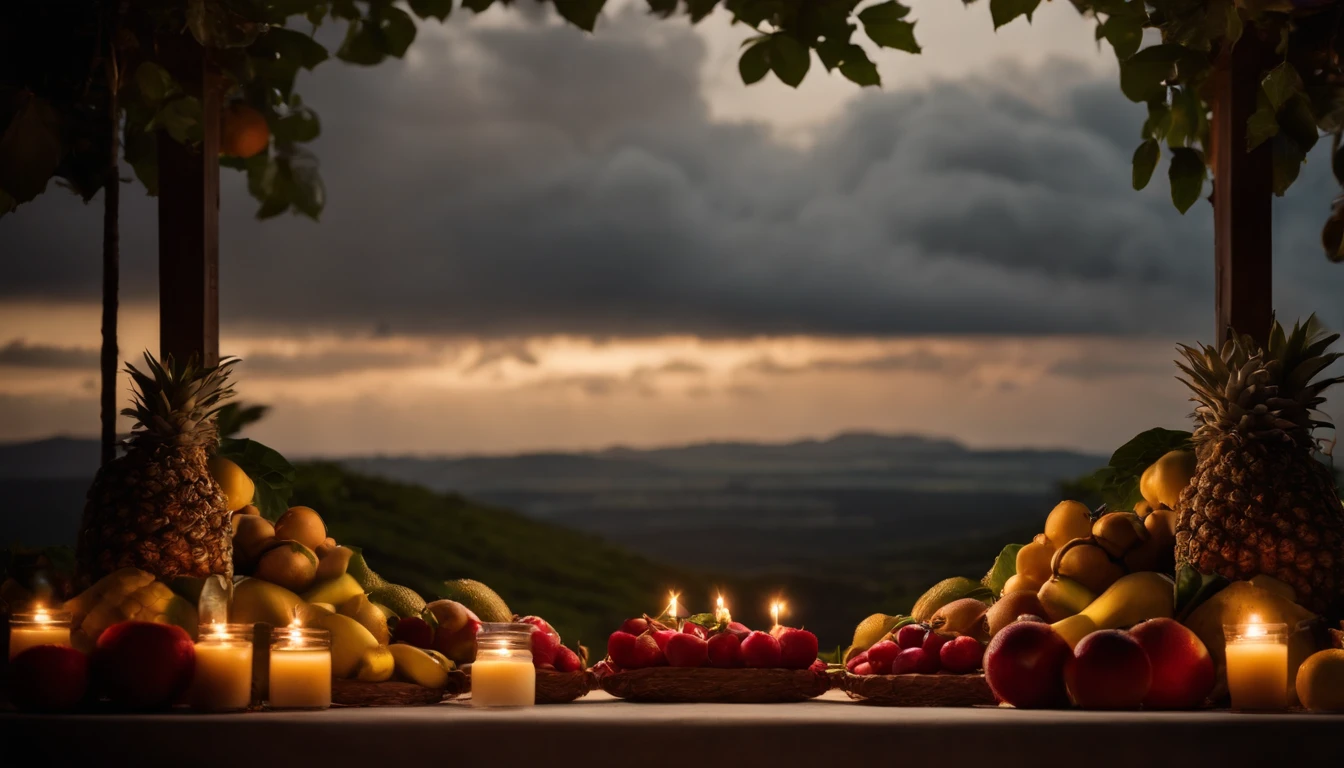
(222, 681)
(721, 614)
(300, 669)
(1257, 665)
(502, 674)
(40, 627)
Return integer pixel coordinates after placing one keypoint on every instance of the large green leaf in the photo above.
(1287, 159)
(269, 471)
(1186, 173)
(1124, 32)
(754, 64)
(437, 9)
(789, 59)
(1143, 76)
(1281, 84)
(1004, 11)
(30, 149)
(299, 125)
(1004, 568)
(885, 25)
(581, 13)
(1145, 162)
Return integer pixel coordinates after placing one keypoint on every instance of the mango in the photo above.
(376, 665)
(337, 591)
(255, 601)
(350, 641)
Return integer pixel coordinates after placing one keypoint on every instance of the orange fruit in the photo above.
(243, 131)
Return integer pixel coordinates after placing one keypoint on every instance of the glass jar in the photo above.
(222, 681)
(1257, 666)
(38, 627)
(300, 669)
(502, 674)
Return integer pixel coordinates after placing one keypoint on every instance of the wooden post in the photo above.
(189, 219)
(1243, 194)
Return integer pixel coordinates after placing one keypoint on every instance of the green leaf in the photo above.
(389, 32)
(1261, 126)
(789, 59)
(699, 9)
(1185, 116)
(295, 46)
(269, 471)
(754, 63)
(1143, 76)
(1124, 32)
(1004, 11)
(1186, 174)
(1159, 119)
(1193, 589)
(662, 8)
(154, 83)
(398, 30)
(1287, 161)
(477, 6)
(885, 25)
(30, 149)
(1297, 122)
(859, 69)
(299, 125)
(436, 9)
(215, 24)
(1234, 24)
(581, 13)
(181, 118)
(1004, 568)
(1120, 477)
(1281, 84)
(1145, 162)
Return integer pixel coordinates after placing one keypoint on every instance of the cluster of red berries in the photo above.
(547, 652)
(916, 649)
(644, 642)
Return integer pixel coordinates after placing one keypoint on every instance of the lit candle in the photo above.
(1257, 665)
(222, 681)
(776, 609)
(502, 674)
(721, 614)
(40, 627)
(672, 605)
(300, 669)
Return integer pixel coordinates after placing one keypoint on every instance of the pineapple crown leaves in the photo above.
(176, 402)
(1263, 391)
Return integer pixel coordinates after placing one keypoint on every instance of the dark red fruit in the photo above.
(143, 665)
(635, 626)
(961, 655)
(760, 651)
(661, 636)
(691, 628)
(566, 660)
(911, 636)
(1024, 665)
(862, 669)
(856, 660)
(621, 649)
(544, 667)
(881, 656)
(933, 642)
(797, 648)
(415, 631)
(48, 678)
(685, 650)
(819, 666)
(739, 629)
(544, 646)
(914, 661)
(725, 651)
(646, 653)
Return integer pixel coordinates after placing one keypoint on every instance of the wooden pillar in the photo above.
(189, 218)
(1243, 194)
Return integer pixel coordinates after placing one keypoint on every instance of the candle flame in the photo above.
(41, 616)
(721, 613)
(776, 608)
(1256, 629)
(672, 605)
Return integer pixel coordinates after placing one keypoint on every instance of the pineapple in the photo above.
(156, 507)
(1260, 502)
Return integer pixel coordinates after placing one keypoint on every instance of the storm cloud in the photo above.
(528, 179)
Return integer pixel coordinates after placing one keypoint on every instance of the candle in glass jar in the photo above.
(40, 627)
(300, 669)
(1257, 665)
(502, 674)
(222, 681)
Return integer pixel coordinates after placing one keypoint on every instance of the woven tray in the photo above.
(918, 690)
(728, 686)
(563, 687)
(354, 693)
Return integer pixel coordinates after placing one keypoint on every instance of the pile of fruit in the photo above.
(919, 649)
(702, 641)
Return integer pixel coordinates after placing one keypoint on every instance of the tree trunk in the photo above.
(111, 263)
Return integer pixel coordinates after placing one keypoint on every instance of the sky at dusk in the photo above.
(541, 239)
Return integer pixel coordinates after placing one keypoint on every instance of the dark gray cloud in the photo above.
(509, 182)
(917, 360)
(21, 354)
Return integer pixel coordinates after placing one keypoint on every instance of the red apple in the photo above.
(621, 649)
(760, 651)
(1024, 665)
(635, 627)
(1109, 670)
(545, 644)
(725, 651)
(143, 665)
(882, 655)
(691, 628)
(48, 678)
(415, 631)
(911, 636)
(566, 660)
(1183, 673)
(914, 661)
(856, 660)
(739, 629)
(646, 653)
(961, 654)
(797, 648)
(685, 650)
(661, 636)
(539, 623)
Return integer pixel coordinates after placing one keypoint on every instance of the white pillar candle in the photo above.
(503, 674)
(222, 681)
(1257, 665)
(300, 669)
(40, 627)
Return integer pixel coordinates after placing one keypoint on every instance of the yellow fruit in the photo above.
(360, 609)
(1143, 509)
(302, 524)
(336, 591)
(233, 481)
(872, 629)
(448, 664)
(1163, 482)
(1119, 532)
(946, 591)
(252, 534)
(1069, 520)
(350, 641)
(376, 665)
(308, 614)
(1320, 681)
(126, 594)
(255, 600)
(1133, 598)
(1087, 564)
(1063, 597)
(1274, 585)
(333, 562)
(1020, 583)
(1033, 562)
(1237, 603)
(416, 666)
(288, 564)
(1044, 541)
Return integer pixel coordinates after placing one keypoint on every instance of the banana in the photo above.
(376, 665)
(448, 664)
(366, 613)
(1133, 598)
(419, 667)
(1062, 597)
(350, 641)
